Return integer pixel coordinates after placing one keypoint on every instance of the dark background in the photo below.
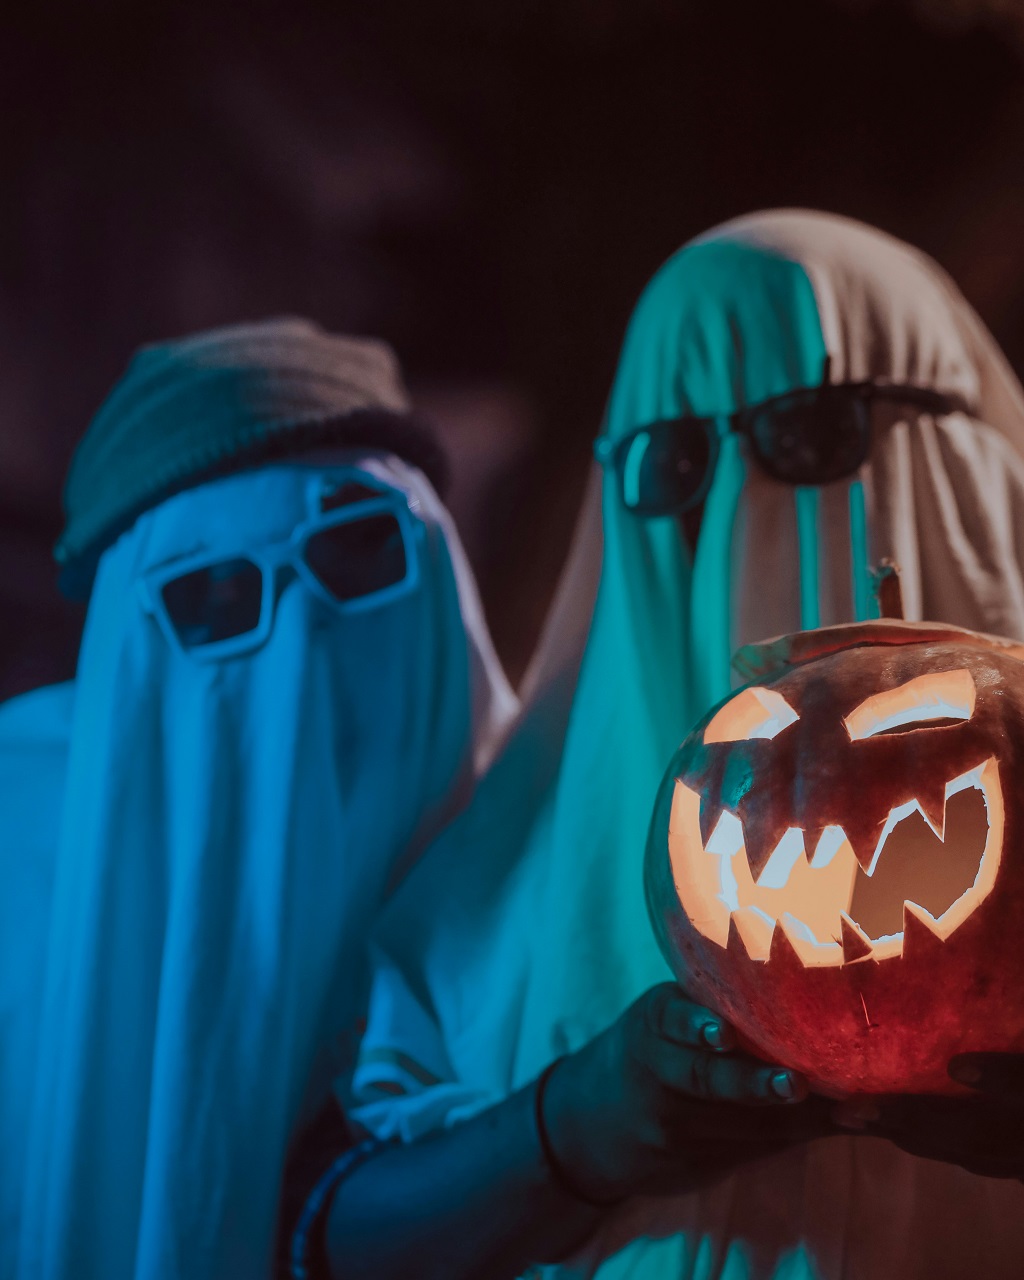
(485, 183)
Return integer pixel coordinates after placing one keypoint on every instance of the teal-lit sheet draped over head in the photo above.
(524, 930)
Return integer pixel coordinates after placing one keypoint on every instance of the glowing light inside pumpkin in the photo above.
(775, 874)
(832, 911)
(753, 713)
(830, 842)
(943, 695)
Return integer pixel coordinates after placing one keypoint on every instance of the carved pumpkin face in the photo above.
(835, 861)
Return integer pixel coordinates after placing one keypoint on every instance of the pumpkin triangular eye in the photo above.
(946, 696)
(753, 713)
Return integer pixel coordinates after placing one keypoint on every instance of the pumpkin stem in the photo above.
(888, 590)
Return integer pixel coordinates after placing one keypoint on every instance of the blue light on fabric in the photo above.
(864, 604)
(631, 473)
(227, 833)
(808, 501)
(711, 622)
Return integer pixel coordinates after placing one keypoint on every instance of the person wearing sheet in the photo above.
(284, 688)
(798, 396)
(33, 759)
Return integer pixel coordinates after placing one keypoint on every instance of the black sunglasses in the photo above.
(809, 437)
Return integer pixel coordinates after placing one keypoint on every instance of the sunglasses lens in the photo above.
(663, 469)
(216, 603)
(817, 441)
(358, 558)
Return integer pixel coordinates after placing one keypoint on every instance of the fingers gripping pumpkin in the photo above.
(836, 860)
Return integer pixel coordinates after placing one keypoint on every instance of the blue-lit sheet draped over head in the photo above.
(227, 830)
(523, 932)
(34, 736)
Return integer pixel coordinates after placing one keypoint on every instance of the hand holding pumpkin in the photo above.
(661, 1101)
(983, 1133)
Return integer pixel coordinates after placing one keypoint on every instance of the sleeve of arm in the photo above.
(404, 1086)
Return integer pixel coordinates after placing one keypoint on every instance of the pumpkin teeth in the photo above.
(812, 839)
(762, 845)
(755, 929)
(855, 942)
(710, 814)
(896, 816)
(718, 892)
(931, 801)
(782, 859)
(920, 929)
(830, 841)
(866, 845)
(803, 941)
(782, 950)
(932, 809)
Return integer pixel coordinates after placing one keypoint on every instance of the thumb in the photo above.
(1000, 1075)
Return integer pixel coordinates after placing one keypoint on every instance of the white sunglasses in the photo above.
(354, 558)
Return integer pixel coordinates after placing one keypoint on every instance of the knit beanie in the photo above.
(203, 406)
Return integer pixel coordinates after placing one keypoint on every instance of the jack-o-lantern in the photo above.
(836, 860)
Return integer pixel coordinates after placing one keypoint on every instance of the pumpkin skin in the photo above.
(853, 726)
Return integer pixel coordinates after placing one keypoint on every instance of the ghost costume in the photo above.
(227, 831)
(34, 735)
(535, 936)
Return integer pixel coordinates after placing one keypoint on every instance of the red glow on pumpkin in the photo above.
(860, 853)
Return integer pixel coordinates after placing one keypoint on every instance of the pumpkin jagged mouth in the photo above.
(830, 909)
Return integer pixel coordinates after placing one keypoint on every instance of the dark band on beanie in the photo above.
(218, 402)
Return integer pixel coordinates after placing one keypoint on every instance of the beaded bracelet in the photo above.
(306, 1244)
